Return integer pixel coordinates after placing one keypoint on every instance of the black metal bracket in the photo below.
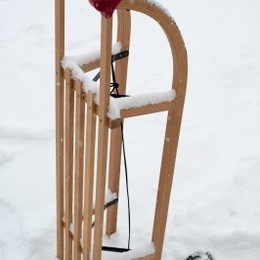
(115, 57)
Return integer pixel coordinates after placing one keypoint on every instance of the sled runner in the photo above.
(90, 112)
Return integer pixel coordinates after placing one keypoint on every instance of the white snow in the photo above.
(110, 196)
(215, 198)
(142, 251)
(159, 6)
(74, 62)
(117, 104)
(70, 61)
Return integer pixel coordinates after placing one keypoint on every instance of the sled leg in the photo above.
(166, 175)
(123, 36)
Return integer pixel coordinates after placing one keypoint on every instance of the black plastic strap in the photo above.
(107, 205)
(118, 95)
(115, 249)
(111, 203)
(118, 56)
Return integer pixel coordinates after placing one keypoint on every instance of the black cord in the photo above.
(115, 93)
(127, 188)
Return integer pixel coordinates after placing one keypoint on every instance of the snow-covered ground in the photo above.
(215, 203)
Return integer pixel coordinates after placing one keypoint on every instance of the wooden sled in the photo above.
(81, 171)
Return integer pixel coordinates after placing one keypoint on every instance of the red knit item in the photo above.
(105, 7)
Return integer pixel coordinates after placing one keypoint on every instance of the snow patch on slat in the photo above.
(118, 104)
(73, 63)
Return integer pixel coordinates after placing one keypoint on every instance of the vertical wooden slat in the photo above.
(79, 152)
(89, 176)
(106, 44)
(69, 123)
(59, 51)
(166, 175)
(123, 36)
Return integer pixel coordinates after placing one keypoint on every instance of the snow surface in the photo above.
(215, 198)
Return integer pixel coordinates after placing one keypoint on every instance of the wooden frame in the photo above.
(81, 171)
(59, 80)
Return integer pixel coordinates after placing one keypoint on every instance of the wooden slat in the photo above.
(147, 109)
(69, 123)
(106, 44)
(59, 51)
(138, 111)
(79, 152)
(72, 235)
(89, 175)
(91, 65)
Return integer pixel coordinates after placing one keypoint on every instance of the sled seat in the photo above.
(75, 69)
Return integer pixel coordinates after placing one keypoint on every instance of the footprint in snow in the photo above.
(4, 158)
(10, 237)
